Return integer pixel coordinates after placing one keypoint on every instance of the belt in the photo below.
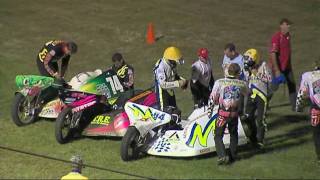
(228, 113)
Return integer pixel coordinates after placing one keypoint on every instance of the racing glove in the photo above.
(279, 79)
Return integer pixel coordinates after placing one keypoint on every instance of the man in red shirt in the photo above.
(280, 60)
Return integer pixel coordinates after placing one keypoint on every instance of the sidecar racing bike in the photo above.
(156, 132)
(83, 100)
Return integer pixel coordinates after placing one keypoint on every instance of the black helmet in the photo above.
(72, 46)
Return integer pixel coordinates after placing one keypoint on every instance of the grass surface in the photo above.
(103, 27)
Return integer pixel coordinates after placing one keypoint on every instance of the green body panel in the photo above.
(33, 80)
(99, 85)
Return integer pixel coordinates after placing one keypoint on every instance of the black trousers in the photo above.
(42, 69)
(221, 124)
(256, 124)
(200, 93)
(164, 98)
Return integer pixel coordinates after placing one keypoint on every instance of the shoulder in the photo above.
(239, 58)
(225, 58)
(129, 66)
(306, 74)
(196, 64)
(276, 36)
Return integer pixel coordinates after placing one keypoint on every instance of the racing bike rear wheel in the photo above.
(129, 145)
(63, 130)
(22, 110)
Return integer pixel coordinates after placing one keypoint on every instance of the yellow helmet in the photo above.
(253, 55)
(173, 54)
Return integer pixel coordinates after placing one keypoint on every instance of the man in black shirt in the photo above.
(51, 53)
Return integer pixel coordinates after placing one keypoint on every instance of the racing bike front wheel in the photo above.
(22, 110)
(129, 145)
(63, 130)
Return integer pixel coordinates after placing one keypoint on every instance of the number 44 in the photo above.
(115, 84)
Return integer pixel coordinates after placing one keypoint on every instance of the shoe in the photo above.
(223, 160)
(260, 145)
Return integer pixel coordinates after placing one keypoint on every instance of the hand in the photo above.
(183, 83)
(277, 73)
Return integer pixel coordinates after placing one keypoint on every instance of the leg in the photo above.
(291, 87)
(162, 97)
(205, 95)
(315, 123)
(218, 137)
(261, 111)
(172, 100)
(233, 130)
(316, 138)
(250, 112)
(196, 93)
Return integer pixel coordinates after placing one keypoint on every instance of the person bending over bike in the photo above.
(51, 53)
(124, 71)
(167, 78)
(226, 93)
(47, 62)
(125, 74)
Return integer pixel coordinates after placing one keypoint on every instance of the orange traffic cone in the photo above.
(150, 34)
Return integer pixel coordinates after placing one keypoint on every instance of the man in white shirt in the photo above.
(232, 56)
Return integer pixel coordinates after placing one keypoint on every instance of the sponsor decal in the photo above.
(100, 119)
(163, 145)
(78, 95)
(148, 114)
(79, 108)
(47, 111)
(202, 136)
(206, 150)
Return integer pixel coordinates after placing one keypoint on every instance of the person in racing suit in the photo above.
(259, 77)
(167, 78)
(125, 74)
(124, 71)
(309, 92)
(201, 78)
(47, 62)
(51, 53)
(226, 93)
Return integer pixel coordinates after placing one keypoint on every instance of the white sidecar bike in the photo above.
(162, 134)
